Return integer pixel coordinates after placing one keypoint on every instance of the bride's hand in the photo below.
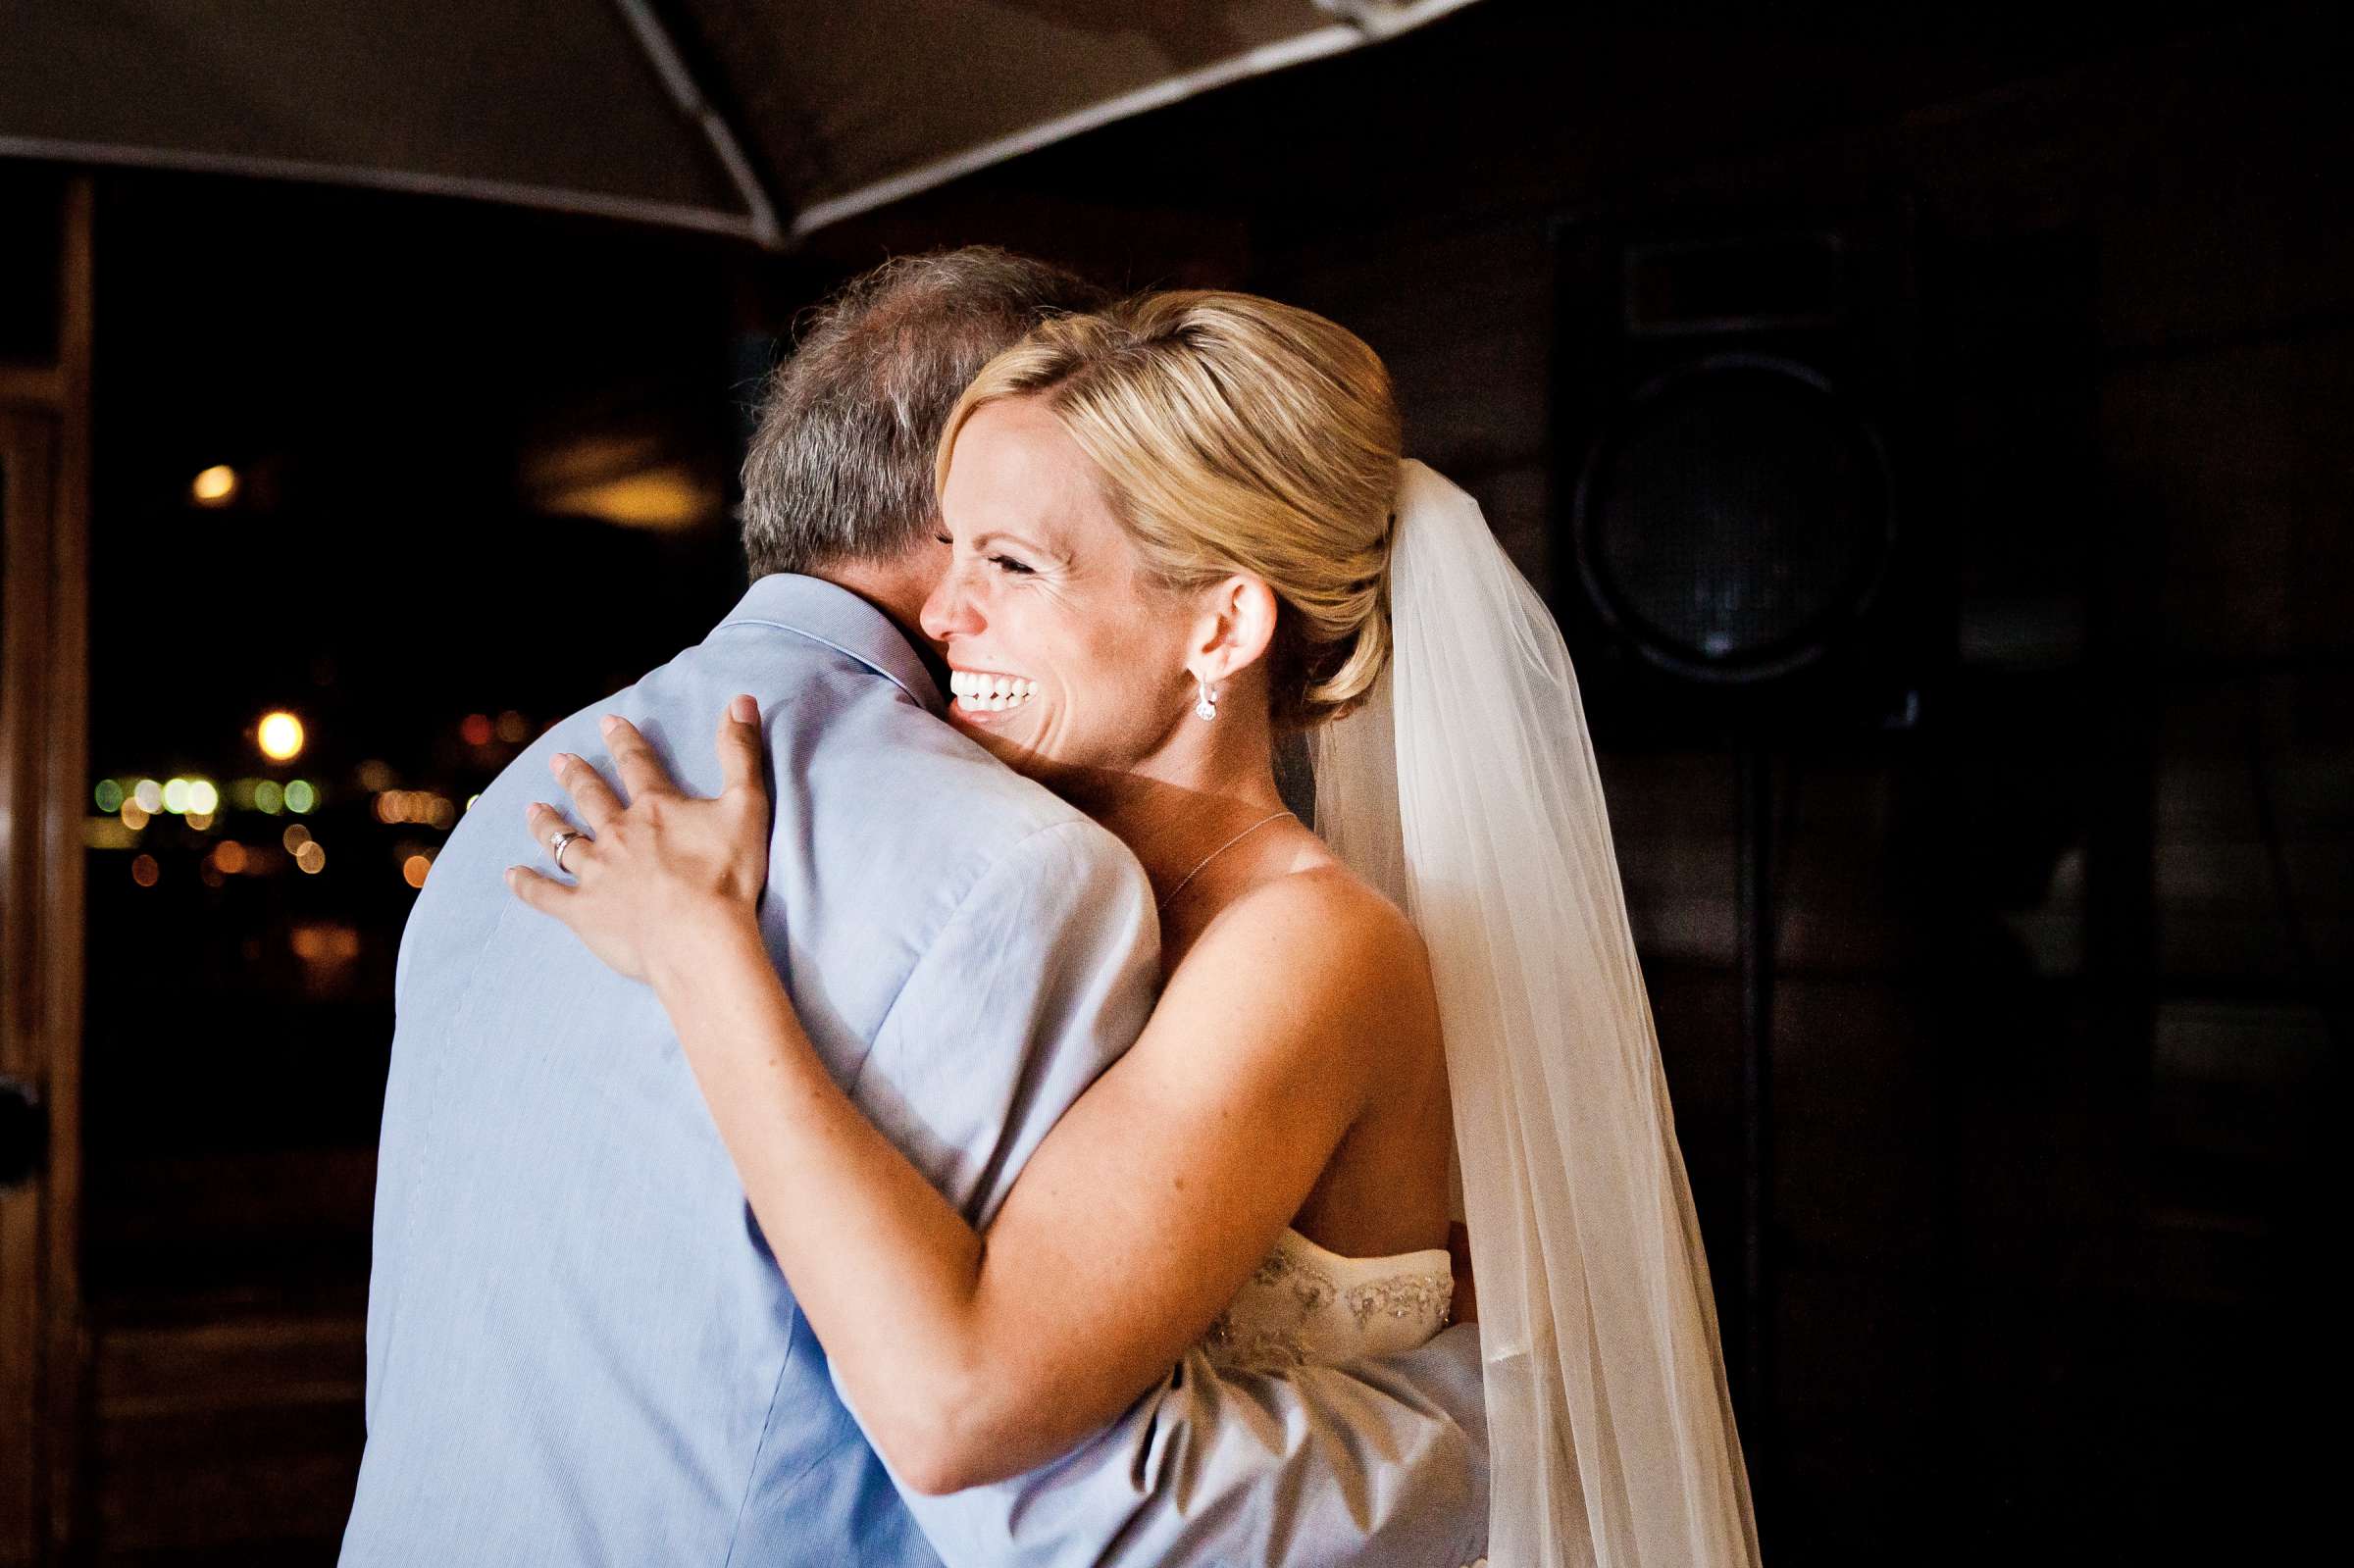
(651, 880)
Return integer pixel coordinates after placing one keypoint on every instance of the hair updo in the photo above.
(1234, 433)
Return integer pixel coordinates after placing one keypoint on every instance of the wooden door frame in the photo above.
(44, 742)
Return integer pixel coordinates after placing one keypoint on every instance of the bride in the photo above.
(1178, 528)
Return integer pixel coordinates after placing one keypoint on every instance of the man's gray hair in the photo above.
(841, 467)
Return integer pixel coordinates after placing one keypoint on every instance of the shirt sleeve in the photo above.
(1383, 1460)
(1042, 976)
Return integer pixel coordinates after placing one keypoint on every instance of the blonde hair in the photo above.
(1234, 433)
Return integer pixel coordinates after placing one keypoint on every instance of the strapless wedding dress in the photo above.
(1308, 1305)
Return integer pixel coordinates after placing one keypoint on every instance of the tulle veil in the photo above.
(1466, 789)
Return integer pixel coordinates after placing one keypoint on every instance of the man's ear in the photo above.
(1234, 628)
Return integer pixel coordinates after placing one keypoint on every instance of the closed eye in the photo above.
(1006, 563)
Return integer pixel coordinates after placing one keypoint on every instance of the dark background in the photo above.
(2059, 856)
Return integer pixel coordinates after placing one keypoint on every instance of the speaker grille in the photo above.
(1736, 518)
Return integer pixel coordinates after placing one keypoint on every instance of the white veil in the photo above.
(1466, 790)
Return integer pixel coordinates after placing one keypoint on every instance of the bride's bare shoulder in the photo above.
(1325, 912)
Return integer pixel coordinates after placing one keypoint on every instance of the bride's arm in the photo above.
(970, 1358)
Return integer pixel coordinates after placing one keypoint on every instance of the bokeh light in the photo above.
(310, 858)
(135, 815)
(204, 797)
(295, 837)
(512, 728)
(413, 869)
(475, 729)
(149, 794)
(215, 487)
(230, 856)
(323, 943)
(268, 798)
(109, 796)
(419, 806)
(175, 795)
(301, 796)
(201, 821)
(144, 871)
(107, 832)
(279, 736)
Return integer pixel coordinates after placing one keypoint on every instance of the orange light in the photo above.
(413, 869)
(230, 856)
(215, 487)
(144, 871)
(475, 729)
(325, 942)
(309, 859)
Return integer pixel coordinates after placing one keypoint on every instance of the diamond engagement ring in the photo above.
(561, 843)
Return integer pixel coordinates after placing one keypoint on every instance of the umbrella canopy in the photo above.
(759, 119)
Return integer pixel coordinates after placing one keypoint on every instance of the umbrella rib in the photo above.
(662, 53)
(550, 198)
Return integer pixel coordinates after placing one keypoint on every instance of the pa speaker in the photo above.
(1738, 481)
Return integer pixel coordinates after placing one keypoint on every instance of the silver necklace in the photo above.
(1168, 897)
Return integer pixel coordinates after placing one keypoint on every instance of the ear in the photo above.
(1234, 625)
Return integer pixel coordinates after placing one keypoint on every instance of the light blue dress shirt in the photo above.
(579, 1349)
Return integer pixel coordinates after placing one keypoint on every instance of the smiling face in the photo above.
(1064, 654)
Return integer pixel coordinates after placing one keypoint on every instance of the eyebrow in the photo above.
(988, 536)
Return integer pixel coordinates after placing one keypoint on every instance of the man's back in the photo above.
(579, 1350)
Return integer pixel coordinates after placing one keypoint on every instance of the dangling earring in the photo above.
(1207, 707)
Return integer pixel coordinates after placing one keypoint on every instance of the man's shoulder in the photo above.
(986, 824)
(880, 783)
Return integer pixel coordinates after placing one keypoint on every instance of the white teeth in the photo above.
(988, 694)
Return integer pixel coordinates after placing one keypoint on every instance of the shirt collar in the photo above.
(828, 613)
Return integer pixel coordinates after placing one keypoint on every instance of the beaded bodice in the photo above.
(1308, 1305)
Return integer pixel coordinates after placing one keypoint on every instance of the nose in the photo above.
(949, 611)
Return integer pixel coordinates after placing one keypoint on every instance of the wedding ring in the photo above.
(561, 843)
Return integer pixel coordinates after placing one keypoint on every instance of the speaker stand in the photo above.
(1755, 946)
